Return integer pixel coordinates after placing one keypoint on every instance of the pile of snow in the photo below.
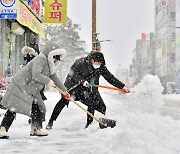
(140, 134)
(140, 129)
(149, 86)
(150, 90)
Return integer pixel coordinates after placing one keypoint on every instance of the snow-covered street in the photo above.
(144, 126)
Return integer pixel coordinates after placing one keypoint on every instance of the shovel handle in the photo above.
(62, 92)
(107, 87)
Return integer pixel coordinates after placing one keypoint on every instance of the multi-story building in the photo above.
(165, 40)
(151, 55)
(178, 44)
(134, 69)
(142, 47)
(123, 75)
(140, 65)
(23, 27)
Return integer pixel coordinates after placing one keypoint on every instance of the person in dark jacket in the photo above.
(84, 71)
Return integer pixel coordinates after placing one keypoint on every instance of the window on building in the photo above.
(172, 16)
(158, 8)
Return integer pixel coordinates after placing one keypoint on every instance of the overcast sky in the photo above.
(122, 21)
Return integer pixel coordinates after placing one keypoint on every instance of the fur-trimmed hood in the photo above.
(53, 65)
(50, 46)
(28, 50)
(52, 49)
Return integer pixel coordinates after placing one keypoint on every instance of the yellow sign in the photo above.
(55, 11)
(26, 18)
(162, 73)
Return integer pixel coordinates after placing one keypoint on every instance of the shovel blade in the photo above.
(107, 123)
(4, 137)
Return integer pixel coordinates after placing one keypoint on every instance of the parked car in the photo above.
(171, 88)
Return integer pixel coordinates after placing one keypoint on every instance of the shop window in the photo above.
(172, 16)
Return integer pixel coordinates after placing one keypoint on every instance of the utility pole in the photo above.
(93, 25)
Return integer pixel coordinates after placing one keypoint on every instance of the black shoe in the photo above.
(44, 97)
(87, 125)
(49, 125)
(29, 121)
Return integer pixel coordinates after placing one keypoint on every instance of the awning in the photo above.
(28, 19)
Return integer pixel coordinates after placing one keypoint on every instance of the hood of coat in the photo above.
(50, 46)
(53, 65)
(97, 56)
(51, 50)
(28, 50)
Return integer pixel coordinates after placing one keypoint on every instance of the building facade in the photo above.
(178, 44)
(141, 60)
(165, 40)
(17, 32)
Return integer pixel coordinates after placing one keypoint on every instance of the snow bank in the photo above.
(150, 86)
(140, 129)
(150, 90)
(140, 134)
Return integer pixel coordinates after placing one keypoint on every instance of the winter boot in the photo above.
(38, 132)
(87, 125)
(29, 120)
(3, 133)
(49, 125)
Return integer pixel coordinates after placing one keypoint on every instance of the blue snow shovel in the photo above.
(103, 122)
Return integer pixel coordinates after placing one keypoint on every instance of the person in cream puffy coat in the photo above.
(26, 85)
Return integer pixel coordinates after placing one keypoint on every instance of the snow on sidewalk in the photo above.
(141, 129)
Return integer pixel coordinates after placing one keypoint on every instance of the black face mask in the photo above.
(57, 57)
(28, 58)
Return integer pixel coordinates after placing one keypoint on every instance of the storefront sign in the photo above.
(35, 6)
(26, 18)
(55, 11)
(8, 9)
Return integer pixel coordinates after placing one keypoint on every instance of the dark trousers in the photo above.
(36, 116)
(8, 119)
(42, 94)
(83, 95)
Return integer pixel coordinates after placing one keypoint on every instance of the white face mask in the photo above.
(96, 66)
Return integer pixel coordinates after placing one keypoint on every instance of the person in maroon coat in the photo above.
(84, 71)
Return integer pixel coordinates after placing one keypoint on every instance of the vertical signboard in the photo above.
(35, 6)
(8, 9)
(55, 11)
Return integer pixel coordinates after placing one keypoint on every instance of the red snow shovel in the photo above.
(103, 123)
(107, 87)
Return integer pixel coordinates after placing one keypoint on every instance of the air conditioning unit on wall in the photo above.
(17, 29)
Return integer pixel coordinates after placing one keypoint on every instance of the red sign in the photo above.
(36, 6)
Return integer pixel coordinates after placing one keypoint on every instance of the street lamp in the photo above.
(106, 41)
